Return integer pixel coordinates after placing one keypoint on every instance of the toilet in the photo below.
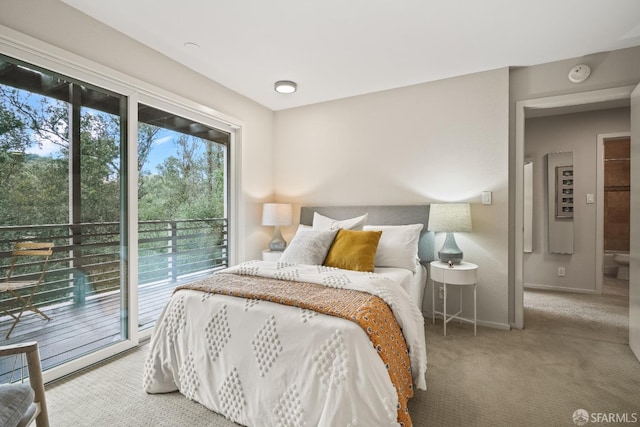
(623, 265)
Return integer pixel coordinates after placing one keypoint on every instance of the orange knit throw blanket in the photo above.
(369, 311)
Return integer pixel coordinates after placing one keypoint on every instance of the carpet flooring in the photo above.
(572, 354)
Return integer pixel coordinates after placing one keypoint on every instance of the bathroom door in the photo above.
(634, 263)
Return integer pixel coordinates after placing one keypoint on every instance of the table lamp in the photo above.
(276, 214)
(450, 217)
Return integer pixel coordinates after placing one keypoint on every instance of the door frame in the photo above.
(634, 230)
(602, 137)
(42, 54)
(573, 99)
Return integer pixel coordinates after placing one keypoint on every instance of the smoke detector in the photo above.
(579, 73)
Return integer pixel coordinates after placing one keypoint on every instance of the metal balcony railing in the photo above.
(88, 260)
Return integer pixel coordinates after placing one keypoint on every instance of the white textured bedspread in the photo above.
(260, 363)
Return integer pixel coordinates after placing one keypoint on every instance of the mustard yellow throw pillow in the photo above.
(353, 250)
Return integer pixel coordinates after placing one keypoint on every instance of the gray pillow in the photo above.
(15, 399)
(309, 247)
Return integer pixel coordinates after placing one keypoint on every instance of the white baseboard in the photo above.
(559, 288)
(495, 325)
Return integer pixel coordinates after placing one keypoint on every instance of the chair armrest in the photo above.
(27, 347)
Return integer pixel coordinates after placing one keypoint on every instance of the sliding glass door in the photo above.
(62, 161)
(182, 205)
(77, 163)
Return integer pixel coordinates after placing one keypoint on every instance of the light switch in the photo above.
(589, 198)
(486, 197)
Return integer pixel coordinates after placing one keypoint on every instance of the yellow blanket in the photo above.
(369, 311)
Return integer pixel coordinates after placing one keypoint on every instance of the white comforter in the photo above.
(264, 364)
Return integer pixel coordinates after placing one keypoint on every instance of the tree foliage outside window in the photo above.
(188, 183)
(180, 177)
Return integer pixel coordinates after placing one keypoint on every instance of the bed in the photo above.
(306, 342)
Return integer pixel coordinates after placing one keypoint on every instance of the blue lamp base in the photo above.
(450, 252)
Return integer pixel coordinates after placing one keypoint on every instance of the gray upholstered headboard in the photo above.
(381, 215)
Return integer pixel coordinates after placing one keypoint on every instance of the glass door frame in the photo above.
(181, 110)
(41, 54)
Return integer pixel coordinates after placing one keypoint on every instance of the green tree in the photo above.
(35, 188)
(188, 185)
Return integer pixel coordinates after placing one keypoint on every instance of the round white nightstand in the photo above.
(268, 255)
(463, 274)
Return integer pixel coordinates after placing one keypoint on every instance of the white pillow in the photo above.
(309, 247)
(398, 246)
(321, 222)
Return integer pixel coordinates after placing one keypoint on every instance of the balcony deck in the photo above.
(81, 290)
(76, 331)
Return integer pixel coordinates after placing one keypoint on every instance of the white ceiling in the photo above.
(339, 48)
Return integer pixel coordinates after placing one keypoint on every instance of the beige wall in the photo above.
(439, 141)
(576, 133)
(608, 70)
(56, 23)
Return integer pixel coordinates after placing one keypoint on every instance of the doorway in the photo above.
(566, 303)
(613, 209)
(577, 100)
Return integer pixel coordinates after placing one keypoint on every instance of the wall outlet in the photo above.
(441, 292)
(560, 271)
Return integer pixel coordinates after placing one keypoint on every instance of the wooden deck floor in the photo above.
(76, 331)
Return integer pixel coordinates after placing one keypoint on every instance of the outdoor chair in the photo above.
(26, 255)
(21, 403)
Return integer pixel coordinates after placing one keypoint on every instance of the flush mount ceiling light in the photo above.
(579, 73)
(191, 45)
(285, 86)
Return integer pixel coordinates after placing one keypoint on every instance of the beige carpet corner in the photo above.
(573, 354)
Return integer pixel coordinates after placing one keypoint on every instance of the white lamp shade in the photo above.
(276, 214)
(449, 217)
